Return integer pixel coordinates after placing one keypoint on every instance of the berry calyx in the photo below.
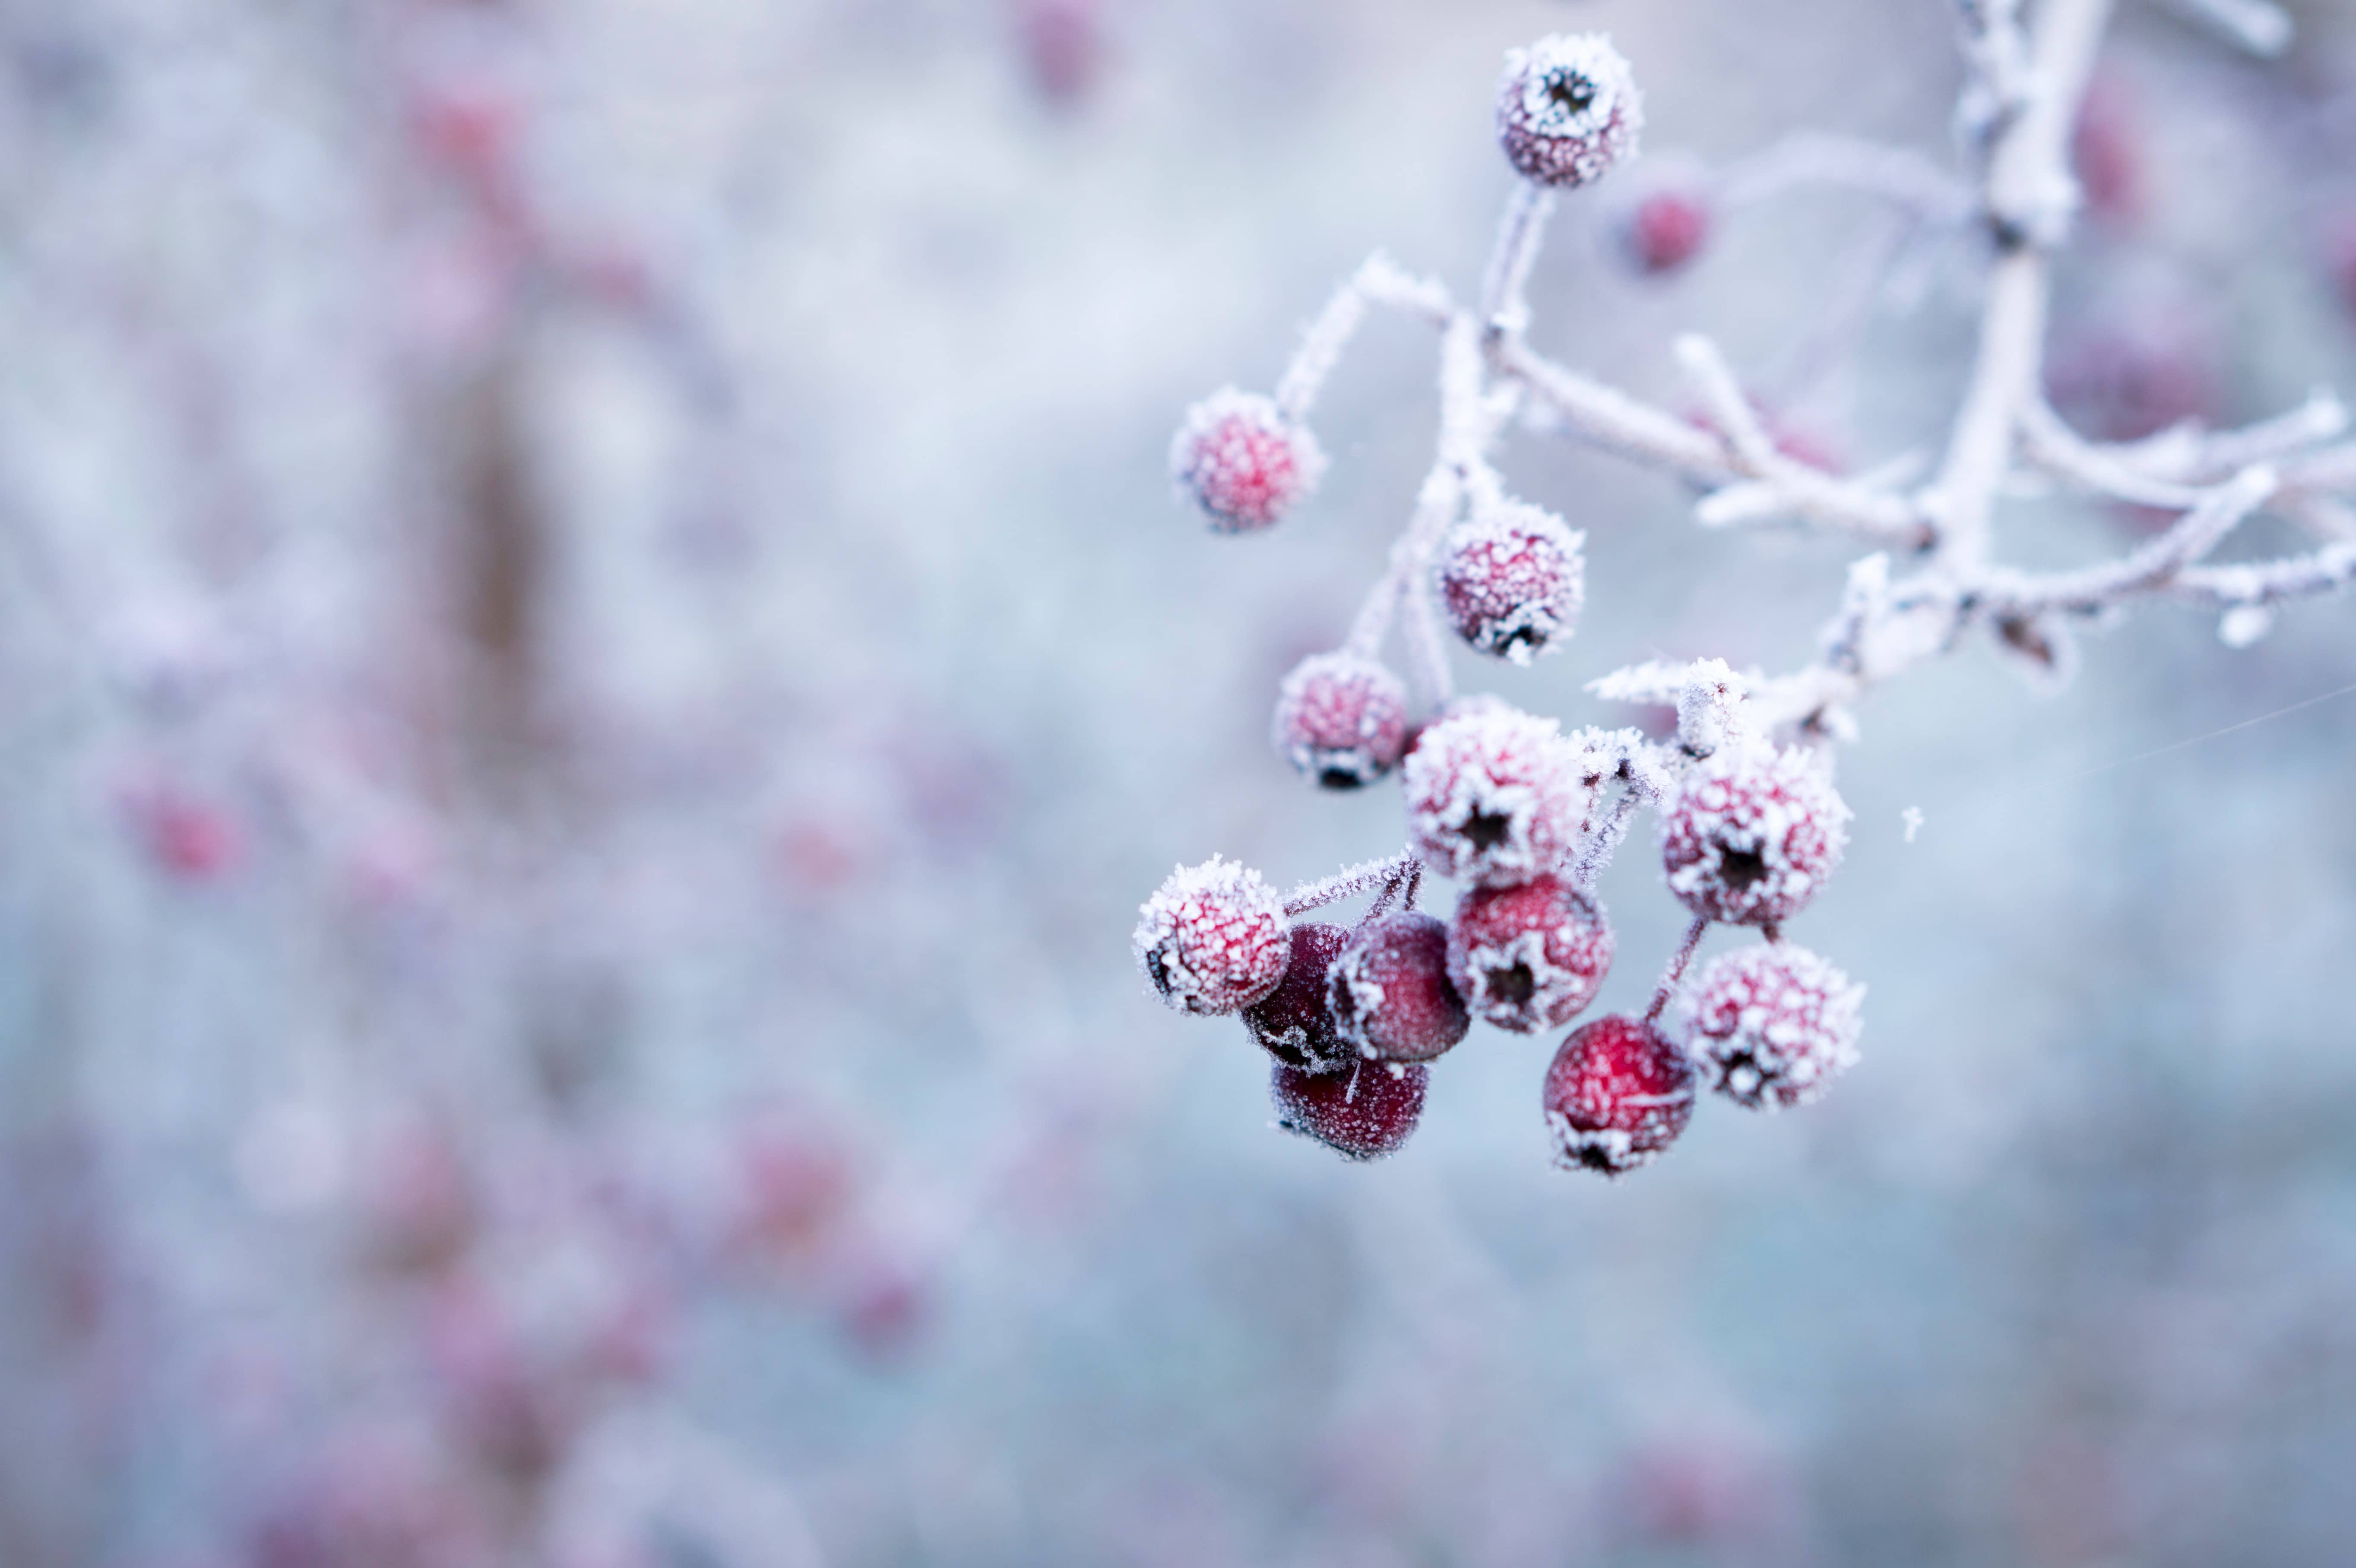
(1363, 1114)
(1494, 796)
(1567, 108)
(1340, 719)
(1212, 938)
(1618, 1093)
(1528, 957)
(1513, 580)
(1242, 461)
(1390, 994)
(1294, 1022)
(1750, 834)
(1772, 1026)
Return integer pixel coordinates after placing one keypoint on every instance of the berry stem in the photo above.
(1504, 309)
(1348, 882)
(1677, 969)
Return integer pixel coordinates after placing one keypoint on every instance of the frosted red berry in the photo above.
(1494, 796)
(1213, 939)
(1567, 108)
(1618, 1093)
(1364, 1113)
(1242, 461)
(1773, 1025)
(1530, 957)
(1513, 580)
(1294, 1023)
(1390, 993)
(1340, 719)
(1749, 835)
(1667, 229)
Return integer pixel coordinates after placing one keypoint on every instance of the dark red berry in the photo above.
(1363, 1114)
(1668, 229)
(1241, 460)
(1212, 938)
(1513, 580)
(1340, 719)
(1773, 1025)
(1528, 957)
(1749, 835)
(1618, 1093)
(1390, 993)
(1295, 1023)
(1567, 108)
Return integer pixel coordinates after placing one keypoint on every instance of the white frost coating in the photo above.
(1567, 108)
(2244, 625)
(1772, 1025)
(1709, 708)
(1237, 457)
(1213, 939)
(1495, 795)
(1339, 719)
(1750, 834)
(1514, 579)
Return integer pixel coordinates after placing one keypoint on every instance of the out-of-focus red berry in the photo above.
(1340, 719)
(1238, 458)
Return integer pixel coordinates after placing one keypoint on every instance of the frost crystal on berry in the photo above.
(1773, 1025)
(1340, 719)
(1528, 957)
(1618, 1093)
(1212, 938)
(1567, 108)
(1293, 1023)
(1242, 460)
(1513, 580)
(1390, 992)
(1363, 1114)
(1751, 835)
(1494, 796)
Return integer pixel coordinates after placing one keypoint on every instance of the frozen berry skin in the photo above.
(1749, 835)
(1390, 992)
(1340, 719)
(1772, 1026)
(1494, 796)
(1295, 1022)
(1212, 938)
(1568, 110)
(1240, 460)
(1618, 1093)
(1363, 1114)
(1528, 957)
(1667, 230)
(1513, 580)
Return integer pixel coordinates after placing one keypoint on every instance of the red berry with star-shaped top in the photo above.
(1772, 1026)
(1530, 957)
(1213, 939)
(1364, 1113)
(1495, 795)
(1341, 719)
(1568, 110)
(1618, 1093)
(1390, 992)
(1294, 1023)
(1750, 833)
(1246, 463)
(1512, 578)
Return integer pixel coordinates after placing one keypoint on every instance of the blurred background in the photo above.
(596, 654)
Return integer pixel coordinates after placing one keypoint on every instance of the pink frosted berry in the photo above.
(1212, 938)
(1513, 580)
(1773, 1025)
(1242, 461)
(1749, 835)
(1668, 229)
(1294, 1023)
(1618, 1093)
(1340, 719)
(1528, 957)
(1364, 1113)
(1567, 108)
(1390, 992)
(1494, 796)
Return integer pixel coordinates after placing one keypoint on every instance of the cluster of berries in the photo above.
(1503, 802)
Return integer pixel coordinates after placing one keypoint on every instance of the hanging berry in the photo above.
(1245, 463)
(1618, 1093)
(1212, 939)
(1364, 1113)
(1513, 580)
(1340, 719)
(1294, 1022)
(1773, 1025)
(1750, 834)
(1567, 108)
(1390, 993)
(1528, 957)
(1494, 796)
